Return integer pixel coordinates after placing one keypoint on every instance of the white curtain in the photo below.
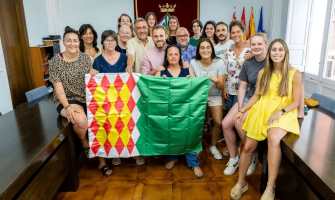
(54, 17)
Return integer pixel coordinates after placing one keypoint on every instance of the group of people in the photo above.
(253, 87)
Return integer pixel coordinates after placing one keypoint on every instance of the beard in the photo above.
(221, 40)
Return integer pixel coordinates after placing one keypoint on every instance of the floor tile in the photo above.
(154, 192)
(119, 192)
(195, 191)
(83, 193)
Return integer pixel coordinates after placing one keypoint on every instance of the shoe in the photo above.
(197, 172)
(169, 165)
(139, 160)
(105, 169)
(116, 161)
(238, 190)
(215, 152)
(225, 152)
(231, 167)
(268, 195)
(252, 166)
(221, 139)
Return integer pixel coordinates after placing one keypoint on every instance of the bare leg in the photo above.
(80, 126)
(239, 126)
(274, 155)
(246, 157)
(216, 112)
(228, 132)
(302, 103)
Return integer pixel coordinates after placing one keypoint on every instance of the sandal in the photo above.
(116, 161)
(168, 166)
(198, 174)
(87, 151)
(139, 160)
(238, 191)
(105, 169)
(268, 195)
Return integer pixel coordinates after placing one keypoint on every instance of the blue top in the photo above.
(189, 53)
(103, 66)
(186, 71)
(118, 49)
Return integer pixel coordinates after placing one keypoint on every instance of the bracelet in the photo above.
(61, 93)
(241, 112)
(66, 107)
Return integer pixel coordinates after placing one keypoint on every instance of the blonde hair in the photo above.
(283, 88)
(168, 31)
(262, 35)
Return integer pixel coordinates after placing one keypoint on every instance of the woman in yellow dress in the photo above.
(272, 115)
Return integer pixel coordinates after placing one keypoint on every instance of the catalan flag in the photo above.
(234, 17)
(134, 114)
(243, 22)
(251, 24)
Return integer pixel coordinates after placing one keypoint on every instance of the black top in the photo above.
(118, 49)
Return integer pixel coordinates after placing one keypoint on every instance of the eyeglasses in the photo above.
(180, 36)
(110, 41)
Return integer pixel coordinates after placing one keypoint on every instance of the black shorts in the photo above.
(60, 106)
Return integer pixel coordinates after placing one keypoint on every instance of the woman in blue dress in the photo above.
(173, 65)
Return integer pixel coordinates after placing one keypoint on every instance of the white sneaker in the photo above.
(215, 152)
(252, 166)
(231, 166)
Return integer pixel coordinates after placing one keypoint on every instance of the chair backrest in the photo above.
(325, 102)
(37, 93)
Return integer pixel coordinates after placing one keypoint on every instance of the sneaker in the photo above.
(231, 167)
(215, 152)
(221, 138)
(252, 166)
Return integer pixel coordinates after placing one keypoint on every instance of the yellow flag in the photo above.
(251, 24)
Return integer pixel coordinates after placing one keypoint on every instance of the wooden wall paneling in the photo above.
(15, 46)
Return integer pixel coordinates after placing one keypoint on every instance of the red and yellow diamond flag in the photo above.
(134, 114)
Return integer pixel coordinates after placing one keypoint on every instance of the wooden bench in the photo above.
(37, 153)
(307, 169)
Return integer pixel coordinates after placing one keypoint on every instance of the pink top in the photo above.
(152, 59)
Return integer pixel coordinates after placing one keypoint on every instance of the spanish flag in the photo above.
(243, 22)
(251, 24)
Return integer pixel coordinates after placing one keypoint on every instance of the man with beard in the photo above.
(153, 58)
(222, 34)
(137, 46)
(187, 51)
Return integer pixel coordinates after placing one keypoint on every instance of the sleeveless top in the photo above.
(256, 123)
(183, 73)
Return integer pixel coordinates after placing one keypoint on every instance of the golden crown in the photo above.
(167, 7)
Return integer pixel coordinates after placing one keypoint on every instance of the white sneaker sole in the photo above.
(233, 170)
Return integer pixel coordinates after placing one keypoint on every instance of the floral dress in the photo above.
(233, 67)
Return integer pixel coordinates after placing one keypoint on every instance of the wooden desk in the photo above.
(37, 154)
(307, 169)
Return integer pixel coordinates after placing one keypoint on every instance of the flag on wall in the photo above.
(260, 23)
(165, 20)
(243, 21)
(134, 114)
(251, 24)
(234, 18)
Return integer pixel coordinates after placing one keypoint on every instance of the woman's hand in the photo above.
(164, 75)
(225, 94)
(249, 56)
(94, 72)
(275, 117)
(188, 76)
(214, 79)
(70, 114)
(237, 117)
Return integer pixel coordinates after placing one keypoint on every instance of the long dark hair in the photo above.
(197, 54)
(148, 15)
(82, 31)
(166, 62)
(204, 35)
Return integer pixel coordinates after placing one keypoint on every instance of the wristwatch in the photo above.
(67, 106)
(284, 111)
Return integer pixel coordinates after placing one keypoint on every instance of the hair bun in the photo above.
(69, 29)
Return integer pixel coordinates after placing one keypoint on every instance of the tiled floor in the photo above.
(153, 182)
